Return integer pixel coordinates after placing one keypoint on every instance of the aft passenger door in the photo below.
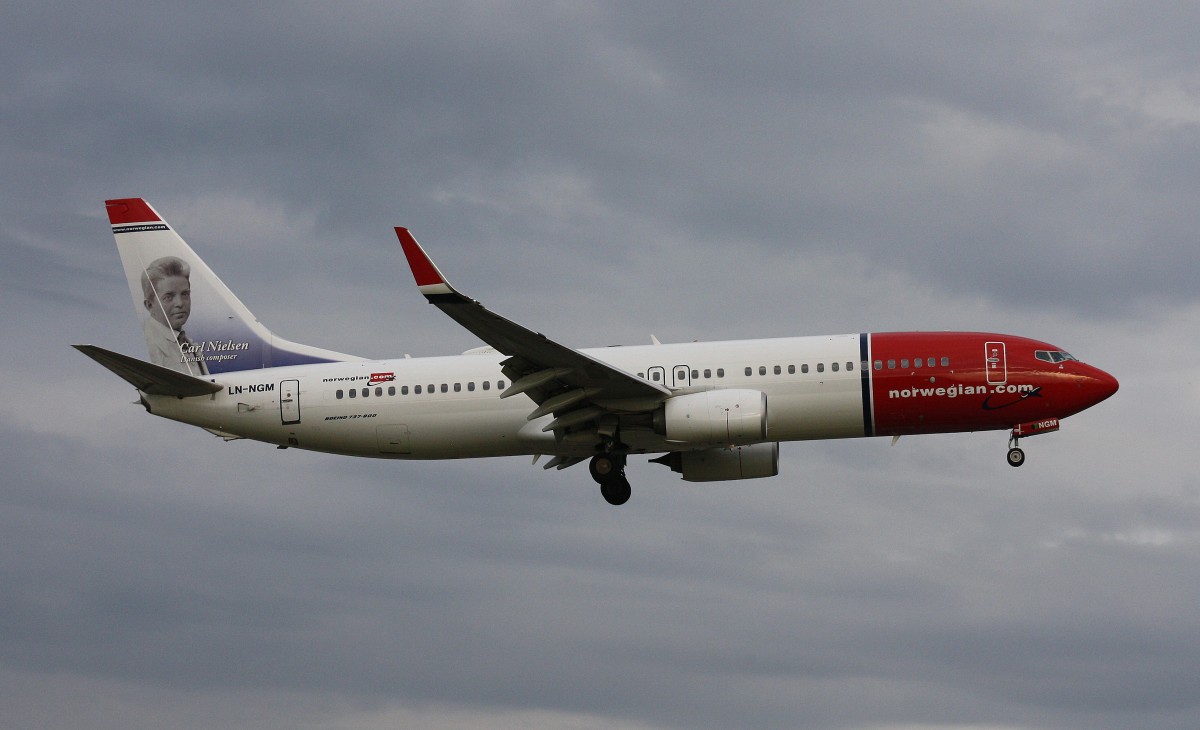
(289, 401)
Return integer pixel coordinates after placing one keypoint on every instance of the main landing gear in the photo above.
(608, 469)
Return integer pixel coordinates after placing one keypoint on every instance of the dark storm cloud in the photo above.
(600, 172)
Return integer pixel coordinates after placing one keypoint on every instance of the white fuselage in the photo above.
(373, 408)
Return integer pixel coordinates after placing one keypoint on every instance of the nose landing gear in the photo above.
(608, 470)
(1016, 457)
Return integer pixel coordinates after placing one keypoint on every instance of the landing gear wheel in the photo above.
(616, 491)
(608, 470)
(1016, 457)
(605, 466)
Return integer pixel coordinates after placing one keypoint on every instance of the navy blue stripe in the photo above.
(863, 356)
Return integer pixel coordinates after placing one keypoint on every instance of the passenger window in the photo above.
(366, 392)
(891, 364)
(444, 388)
(707, 373)
(778, 370)
(487, 385)
(879, 364)
(458, 387)
(945, 362)
(379, 392)
(749, 372)
(654, 376)
(500, 385)
(762, 369)
(804, 368)
(849, 366)
(904, 363)
(403, 390)
(791, 369)
(820, 367)
(432, 389)
(352, 393)
(695, 374)
(416, 390)
(471, 387)
(720, 372)
(391, 390)
(834, 366)
(338, 395)
(917, 363)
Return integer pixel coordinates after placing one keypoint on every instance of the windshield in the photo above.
(1053, 355)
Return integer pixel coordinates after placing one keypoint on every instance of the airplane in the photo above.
(710, 411)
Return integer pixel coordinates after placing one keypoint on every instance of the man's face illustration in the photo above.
(175, 302)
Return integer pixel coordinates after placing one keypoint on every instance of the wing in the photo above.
(579, 390)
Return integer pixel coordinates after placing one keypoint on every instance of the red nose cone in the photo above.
(1103, 385)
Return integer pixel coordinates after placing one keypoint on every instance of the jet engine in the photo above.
(718, 417)
(716, 465)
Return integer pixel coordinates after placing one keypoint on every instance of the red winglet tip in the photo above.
(423, 269)
(129, 210)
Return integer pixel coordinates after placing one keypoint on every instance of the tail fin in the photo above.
(192, 322)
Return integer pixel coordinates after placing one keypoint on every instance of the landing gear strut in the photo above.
(608, 470)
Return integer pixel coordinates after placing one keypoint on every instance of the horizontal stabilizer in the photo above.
(147, 377)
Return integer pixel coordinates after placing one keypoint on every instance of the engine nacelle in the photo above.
(724, 417)
(717, 465)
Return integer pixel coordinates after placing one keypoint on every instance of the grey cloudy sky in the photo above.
(601, 172)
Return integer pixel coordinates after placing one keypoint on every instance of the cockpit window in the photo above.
(1053, 355)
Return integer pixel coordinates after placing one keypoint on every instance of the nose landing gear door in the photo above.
(995, 362)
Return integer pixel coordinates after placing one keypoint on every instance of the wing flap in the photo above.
(150, 378)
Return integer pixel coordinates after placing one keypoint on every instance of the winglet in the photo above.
(429, 280)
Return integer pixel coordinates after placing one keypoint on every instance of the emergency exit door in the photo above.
(680, 376)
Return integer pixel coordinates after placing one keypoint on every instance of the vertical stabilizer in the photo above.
(192, 322)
